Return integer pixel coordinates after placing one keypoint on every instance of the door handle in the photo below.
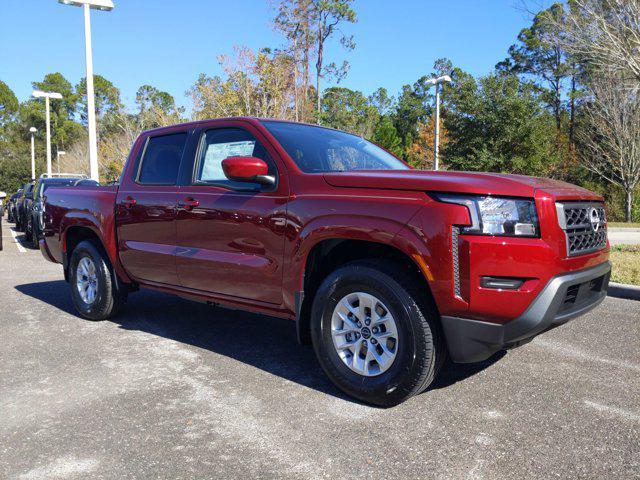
(129, 202)
(188, 203)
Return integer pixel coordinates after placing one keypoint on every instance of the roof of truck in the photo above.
(198, 123)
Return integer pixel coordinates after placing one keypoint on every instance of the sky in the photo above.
(168, 43)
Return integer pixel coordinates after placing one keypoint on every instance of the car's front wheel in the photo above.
(376, 335)
(94, 291)
(28, 230)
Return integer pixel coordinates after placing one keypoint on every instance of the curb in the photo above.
(622, 290)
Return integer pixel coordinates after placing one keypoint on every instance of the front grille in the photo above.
(582, 293)
(585, 226)
(572, 294)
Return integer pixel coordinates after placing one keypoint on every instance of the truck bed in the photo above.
(90, 206)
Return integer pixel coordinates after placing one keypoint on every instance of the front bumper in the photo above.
(565, 296)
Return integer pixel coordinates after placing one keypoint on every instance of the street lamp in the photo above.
(47, 96)
(436, 134)
(33, 131)
(105, 5)
(60, 152)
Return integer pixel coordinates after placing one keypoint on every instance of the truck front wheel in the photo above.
(375, 334)
(93, 286)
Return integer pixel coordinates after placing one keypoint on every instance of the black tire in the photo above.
(420, 349)
(35, 236)
(28, 231)
(35, 239)
(109, 299)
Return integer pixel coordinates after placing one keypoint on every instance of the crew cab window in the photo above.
(218, 144)
(161, 159)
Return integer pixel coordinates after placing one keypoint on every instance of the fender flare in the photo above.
(393, 233)
(88, 221)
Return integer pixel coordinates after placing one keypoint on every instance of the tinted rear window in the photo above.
(57, 182)
(161, 159)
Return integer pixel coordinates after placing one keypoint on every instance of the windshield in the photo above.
(318, 149)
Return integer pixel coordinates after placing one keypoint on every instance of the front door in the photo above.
(230, 235)
(146, 210)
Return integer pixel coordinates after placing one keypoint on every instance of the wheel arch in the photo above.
(81, 230)
(328, 254)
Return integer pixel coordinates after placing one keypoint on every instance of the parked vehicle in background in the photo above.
(386, 270)
(3, 197)
(22, 203)
(33, 227)
(11, 207)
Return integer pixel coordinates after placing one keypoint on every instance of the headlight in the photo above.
(497, 215)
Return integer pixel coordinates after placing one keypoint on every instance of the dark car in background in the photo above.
(21, 203)
(35, 208)
(11, 206)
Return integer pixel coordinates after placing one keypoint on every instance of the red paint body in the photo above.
(249, 249)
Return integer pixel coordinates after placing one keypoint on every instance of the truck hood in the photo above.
(459, 182)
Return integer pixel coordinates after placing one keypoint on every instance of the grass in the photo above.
(624, 224)
(626, 264)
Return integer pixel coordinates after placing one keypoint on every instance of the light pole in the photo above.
(436, 128)
(60, 152)
(105, 5)
(33, 131)
(47, 96)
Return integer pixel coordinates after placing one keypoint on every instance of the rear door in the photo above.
(146, 208)
(230, 235)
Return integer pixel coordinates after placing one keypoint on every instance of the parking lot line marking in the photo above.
(578, 354)
(620, 412)
(21, 249)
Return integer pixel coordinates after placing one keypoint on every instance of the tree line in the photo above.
(563, 103)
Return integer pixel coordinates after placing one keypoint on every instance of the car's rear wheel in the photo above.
(376, 335)
(94, 290)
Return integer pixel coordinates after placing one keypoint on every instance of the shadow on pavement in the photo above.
(22, 240)
(455, 372)
(267, 343)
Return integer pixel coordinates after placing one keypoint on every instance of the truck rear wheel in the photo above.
(376, 336)
(93, 285)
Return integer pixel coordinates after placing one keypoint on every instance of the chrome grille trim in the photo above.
(455, 231)
(582, 236)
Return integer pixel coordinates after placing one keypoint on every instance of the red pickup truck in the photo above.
(386, 270)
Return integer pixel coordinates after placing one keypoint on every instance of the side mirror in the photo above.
(247, 169)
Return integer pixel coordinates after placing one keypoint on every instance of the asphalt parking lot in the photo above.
(175, 389)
